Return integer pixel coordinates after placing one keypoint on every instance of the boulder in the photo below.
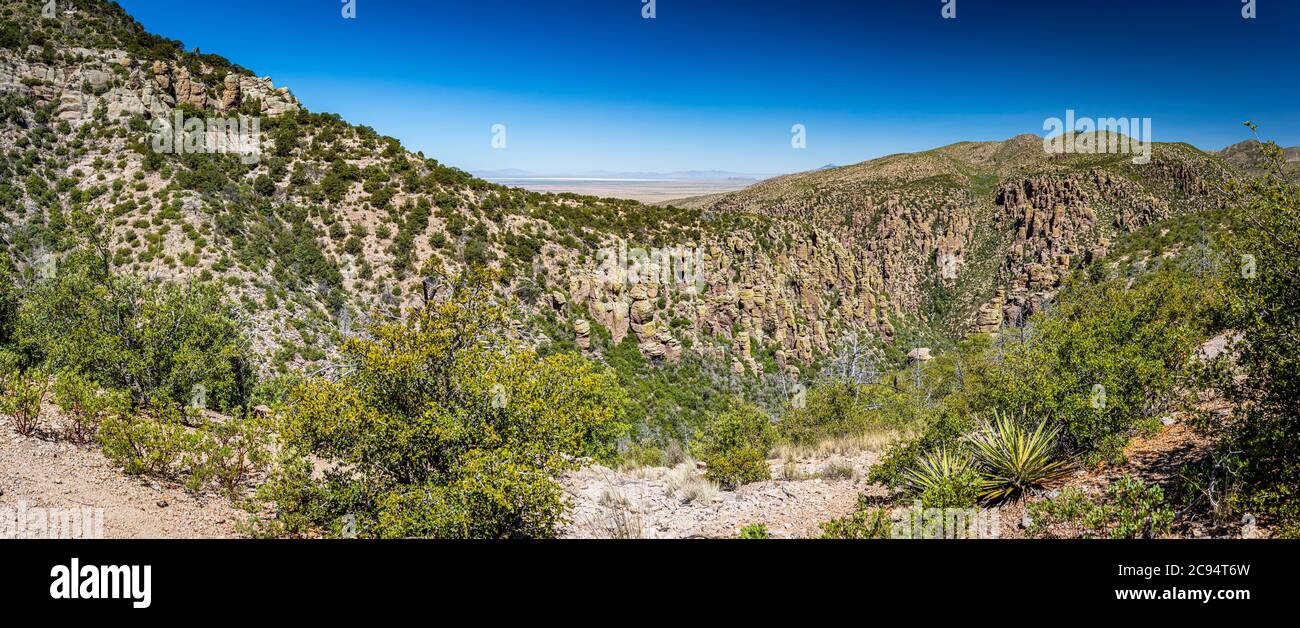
(919, 354)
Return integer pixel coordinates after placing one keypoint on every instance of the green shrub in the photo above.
(1131, 510)
(442, 427)
(1261, 371)
(21, 397)
(229, 453)
(156, 342)
(755, 531)
(148, 445)
(1137, 510)
(84, 407)
(1069, 507)
(867, 522)
(734, 446)
(1106, 361)
(1013, 458)
(946, 429)
(11, 36)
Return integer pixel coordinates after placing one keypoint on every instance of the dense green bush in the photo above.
(1258, 462)
(153, 442)
(156, 341)
(11, 36)
(1106, 361)
(734, 446)
(439, 426)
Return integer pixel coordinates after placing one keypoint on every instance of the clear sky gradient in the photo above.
(586, 85)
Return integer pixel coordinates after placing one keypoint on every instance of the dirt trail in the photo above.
(37, 475)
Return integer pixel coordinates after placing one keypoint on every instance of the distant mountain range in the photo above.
(680, 175)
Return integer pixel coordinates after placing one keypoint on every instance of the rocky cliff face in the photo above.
(976, 236)
(83, 83)
(788, 288)
(927, 241)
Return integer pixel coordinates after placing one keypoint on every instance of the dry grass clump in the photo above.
(841, 446)
(688, 483)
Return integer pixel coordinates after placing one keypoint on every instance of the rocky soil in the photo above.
(658, 502)
(39, 475)
(649, 503)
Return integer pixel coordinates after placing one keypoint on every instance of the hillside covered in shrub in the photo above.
(238, 316)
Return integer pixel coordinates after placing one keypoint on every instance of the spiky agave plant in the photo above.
(1014, 458)
(937, 469)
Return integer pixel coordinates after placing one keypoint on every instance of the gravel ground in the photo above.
(38, 476)
(656, 502)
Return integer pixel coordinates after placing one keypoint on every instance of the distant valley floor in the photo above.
(645, 191)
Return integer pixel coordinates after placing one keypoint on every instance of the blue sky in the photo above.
(584, 85)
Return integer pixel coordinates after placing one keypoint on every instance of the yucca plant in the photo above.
(1014, 458)
(937, 470)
